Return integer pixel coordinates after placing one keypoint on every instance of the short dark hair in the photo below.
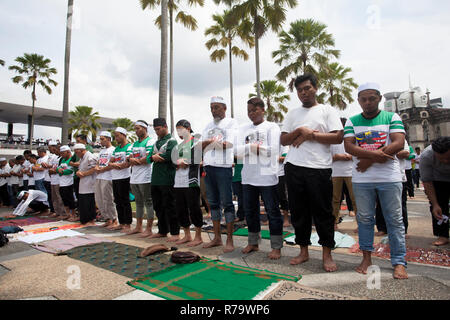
(33, 156)
(27, 152)
(82, 137)
(307, 76)
(257, 102)
(417, 148)
(441, 145)
(20, 158)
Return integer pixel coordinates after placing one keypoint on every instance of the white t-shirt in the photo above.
(54, 161)
(50, 160)
(103, 161)
(340, 168)
(3, 181)
(283, 150)
(311, 154)
(38, 175)
(26, 165)
(120, 156)
(262, 169)
(8, 171)
(143, 173)
(15, 179)
(224, 130)
(417, 161)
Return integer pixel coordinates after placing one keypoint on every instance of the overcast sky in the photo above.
(116, 48)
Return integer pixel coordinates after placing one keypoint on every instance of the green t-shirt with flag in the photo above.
(120, 155)
(190, 176)
(143, 173)
(374, 134)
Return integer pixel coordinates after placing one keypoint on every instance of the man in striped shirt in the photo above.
(374, 137)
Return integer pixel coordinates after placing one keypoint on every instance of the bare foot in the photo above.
(336, 227)
(356, 230)
(351, 214)
(89, 224)
(173, 238)
(195, 243)
(157, 235)
(249, 249)
(229, 246)
(329, 265)
(184, 240)
(125, 228)
(146, 233)
(134, 231)
(362, 268)
(400, 272)
(265, 222)
(301, 258)
(213, 243)
(115, 227)
(275, 254)
(441, 241)
(380, 234)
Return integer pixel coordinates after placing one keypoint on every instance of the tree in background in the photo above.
(82, 120)
(306, 47)
(65, 123)
(34, 70)
(188, 21)
(274, 97)
(126, 124)
(2, 62)
(264, 14)
(222, 37)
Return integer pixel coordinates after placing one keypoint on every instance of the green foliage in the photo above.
(274, 97)
(126, 124)
(83, 121)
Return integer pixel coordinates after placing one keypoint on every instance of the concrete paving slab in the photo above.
(138, 295)
(3, 270)
(41, 298)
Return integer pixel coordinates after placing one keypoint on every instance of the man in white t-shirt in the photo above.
(86, 173)
(103, 184)
(4, 196)
(56, 199)
(374, 137)
(309, 130)
(258, 146)
(218, 142)
(39, 170)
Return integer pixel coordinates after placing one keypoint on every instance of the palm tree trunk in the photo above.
(171, 69)
(33, 97)
(231, 79)
(258, 81)
(65, 118)
(162, 108)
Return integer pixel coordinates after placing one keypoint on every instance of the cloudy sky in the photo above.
(116, 47)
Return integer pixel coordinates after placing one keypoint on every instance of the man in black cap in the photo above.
(163, 175)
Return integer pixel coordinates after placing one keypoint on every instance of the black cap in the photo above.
(159, 122)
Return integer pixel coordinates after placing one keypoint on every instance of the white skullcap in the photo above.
(21, 194)
(52, 143)
(79, 146)
(121, 130)
(64, 148)
(105, 134)
(218, 100)
(369, 86)
(142, 124)
(2, 159)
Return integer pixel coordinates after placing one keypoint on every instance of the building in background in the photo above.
(425, 119)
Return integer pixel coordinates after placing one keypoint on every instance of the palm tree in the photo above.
(65, 123)
(186, 20)
(306, 47)
(222, 37)
(34, 69)
(264, 14)
(83, 121)
(2, 62)
(337, 84)
(128, 125)
(274, 96)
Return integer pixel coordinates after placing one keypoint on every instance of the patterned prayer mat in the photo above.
(287, 290)
(439, 257)
(24, 221)
(265, 234)
(120, 258)
(55, 228)
(209, 280)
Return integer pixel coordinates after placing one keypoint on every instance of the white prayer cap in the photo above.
(369, 86)
(142, 124)
(2, 159)
(121, 130)
(218, 100)
(21, 194)
(64, 148)
(79, 146)
(52, 143)
(105, 134)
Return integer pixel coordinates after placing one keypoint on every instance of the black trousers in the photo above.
(237, 190)
(409, 182)
(281, 192)
(86, 206)
(348, 199)
(187, 203)
(37, 206)
(164, 205)
(67, 196)
(15, 192)
(48, 187)
(4, 196)
(121, 192)
(310, 193)
(442, 190)
(379, 218)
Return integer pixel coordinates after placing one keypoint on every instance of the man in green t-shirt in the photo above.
(163, 175)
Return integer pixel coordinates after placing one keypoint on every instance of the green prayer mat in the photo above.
(209, 280)
(120, 258)
(265, 234)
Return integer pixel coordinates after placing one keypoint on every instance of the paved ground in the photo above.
(26, 273)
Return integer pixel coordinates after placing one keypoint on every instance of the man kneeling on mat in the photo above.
(31, 201)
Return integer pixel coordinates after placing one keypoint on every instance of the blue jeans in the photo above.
(219, 192)
(390, 195)
(39, 185)
(252, 212)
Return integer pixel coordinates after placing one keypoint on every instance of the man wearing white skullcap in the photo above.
(4, 196)
(120, 175)
(374, 138)
(58, 204)
(103, 184)
(218, 141)
(66, 181)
